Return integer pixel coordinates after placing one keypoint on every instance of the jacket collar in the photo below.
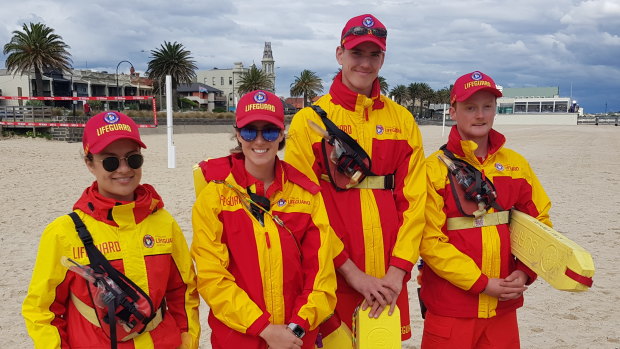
(348, 99)
(466, 148)
(100, 207)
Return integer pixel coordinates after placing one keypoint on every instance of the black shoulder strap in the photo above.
(97, 259)
(333, 130)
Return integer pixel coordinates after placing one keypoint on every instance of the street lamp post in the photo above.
(117, 88)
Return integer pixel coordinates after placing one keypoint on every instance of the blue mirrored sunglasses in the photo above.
(250, 133)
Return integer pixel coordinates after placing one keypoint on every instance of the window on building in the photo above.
(504, 108)
(230, 80)
(546, 107)
(561, 107)
(533, 107)
(213, 81)
(520, 107)
(222, 81)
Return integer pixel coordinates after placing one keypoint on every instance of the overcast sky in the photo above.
(572, 44)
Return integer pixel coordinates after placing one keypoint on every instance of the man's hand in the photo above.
(511, 287)
(394, 280)
(377, 294)
(516, 279)
(280, 337)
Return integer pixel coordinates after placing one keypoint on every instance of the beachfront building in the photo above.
(227, 79)
(76, 82)
(206, 96)
(531, 106)
(535, 100)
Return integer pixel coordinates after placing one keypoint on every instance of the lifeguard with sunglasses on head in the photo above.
(262, 242)
(116, 272)
(368, 160)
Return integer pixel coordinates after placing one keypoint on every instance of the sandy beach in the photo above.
(579, 167)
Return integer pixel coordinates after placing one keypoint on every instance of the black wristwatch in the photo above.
(298, 331)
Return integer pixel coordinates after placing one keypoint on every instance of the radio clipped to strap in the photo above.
(347, 164)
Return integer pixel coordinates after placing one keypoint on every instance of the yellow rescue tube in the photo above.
(382, 332)
(560, 261)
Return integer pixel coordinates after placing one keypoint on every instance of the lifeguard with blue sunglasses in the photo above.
(262, 242)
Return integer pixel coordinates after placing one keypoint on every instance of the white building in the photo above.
(227, 79)
(85, 83)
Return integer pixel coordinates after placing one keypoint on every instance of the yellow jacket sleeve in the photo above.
(435, 248)
(185, 292)
(48, 291)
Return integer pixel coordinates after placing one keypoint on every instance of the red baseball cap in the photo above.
(468, 84)
(106, 127)
(259, 105)
(361, 29)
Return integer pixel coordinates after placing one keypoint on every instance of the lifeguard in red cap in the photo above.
(262, 242)
(119, 258)
(471, 283)
(370, 169)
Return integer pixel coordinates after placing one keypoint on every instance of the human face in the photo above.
(121, 183)
(260, 155)
(360, 66)
(474, 117)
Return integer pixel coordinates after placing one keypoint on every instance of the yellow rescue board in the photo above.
(383, 332)
(560, 261)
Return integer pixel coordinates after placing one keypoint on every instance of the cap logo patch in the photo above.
(281, 202)
(111, 118)
(499, 166)
(368, 22)
(476, 75)
(260, 97)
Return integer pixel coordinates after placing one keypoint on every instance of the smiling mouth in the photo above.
(260, 151)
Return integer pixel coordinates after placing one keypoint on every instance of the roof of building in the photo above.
(197, 87)
(515, 92)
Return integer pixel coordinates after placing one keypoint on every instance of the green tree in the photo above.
(385, 88)
(38, 48)
(254, 79)
(399, 94)
(419, 91)
(307, 85)
(174, 60)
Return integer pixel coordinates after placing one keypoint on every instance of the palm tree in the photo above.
(307, 84)
(399, 94)
(38, 48)
(254, 79)
(174, 60)
(426, 95)
(384, 85)
(419, 91)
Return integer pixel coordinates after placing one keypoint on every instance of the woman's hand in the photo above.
(280, 337)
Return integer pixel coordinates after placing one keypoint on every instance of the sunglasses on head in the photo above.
(112, 163)
(357, 31)
(269, 134)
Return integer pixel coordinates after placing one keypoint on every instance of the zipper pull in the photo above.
(278, 221)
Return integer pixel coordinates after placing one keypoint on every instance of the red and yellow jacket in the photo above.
(140, 239)
(379, 228)
(252, 275)
(459, 262)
